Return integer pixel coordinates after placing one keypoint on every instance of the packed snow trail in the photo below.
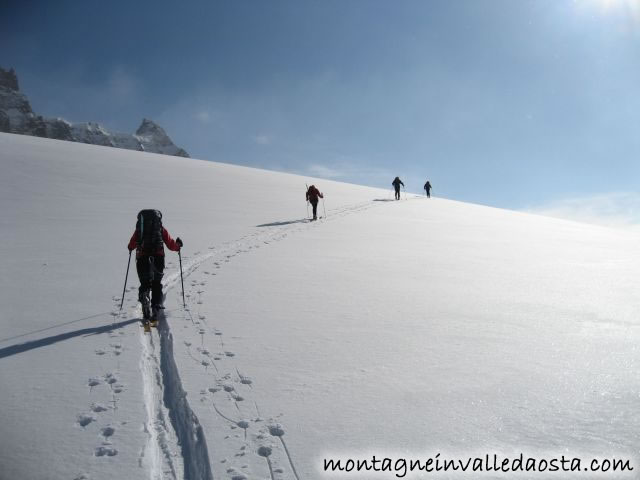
(229, 387)
(164, 395)
(157, 455)
(275, 231)
(190, 435)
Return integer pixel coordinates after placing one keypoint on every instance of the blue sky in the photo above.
(515, 104)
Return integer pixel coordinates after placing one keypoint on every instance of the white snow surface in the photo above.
(387, 328)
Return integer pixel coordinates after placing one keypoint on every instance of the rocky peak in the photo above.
(149, 128)
(16, 116)
(9, 79)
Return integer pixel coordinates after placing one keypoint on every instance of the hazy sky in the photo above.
(516, 104)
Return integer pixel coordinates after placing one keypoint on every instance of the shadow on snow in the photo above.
(280, 224)
(43, 342)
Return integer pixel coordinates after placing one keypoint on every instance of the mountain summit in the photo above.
(17, 116)
(151, 135)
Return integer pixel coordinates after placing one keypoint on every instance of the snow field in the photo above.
(389, 327)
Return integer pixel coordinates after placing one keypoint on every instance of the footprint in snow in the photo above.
(110, 378)
(100, 352)
(276, 430)
(93, 382)
(97, 408)
(243, 424)
(84, 420)
(230, 354)
(108, 451)
(264, 451)
(107, 431)
(118, 388)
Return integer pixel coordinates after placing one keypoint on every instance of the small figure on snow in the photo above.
(312, 197)
(427, 189)
(396, 184)
(148, 239)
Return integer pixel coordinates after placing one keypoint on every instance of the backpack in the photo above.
(312, 193)
(149, 230)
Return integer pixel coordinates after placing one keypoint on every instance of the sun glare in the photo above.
(624, 8)
(631, 6)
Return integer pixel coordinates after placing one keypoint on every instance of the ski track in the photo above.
(157, 452)
(177, 448)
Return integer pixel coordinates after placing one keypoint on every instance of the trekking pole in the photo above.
(125, 280)
(323, 208)
(184, 303)
(307, 199)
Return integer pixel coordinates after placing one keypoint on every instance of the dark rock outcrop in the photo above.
(17, 116)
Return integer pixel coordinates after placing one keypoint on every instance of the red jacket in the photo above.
(166, 238)
(313, 193)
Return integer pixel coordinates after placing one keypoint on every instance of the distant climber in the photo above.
(396, 184)
(148, 239)
(312, 197)
(427, 189)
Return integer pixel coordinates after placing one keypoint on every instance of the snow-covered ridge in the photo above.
(17, 116)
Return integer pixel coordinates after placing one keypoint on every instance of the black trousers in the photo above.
(150, 272)
(398, 193)
(315, 207)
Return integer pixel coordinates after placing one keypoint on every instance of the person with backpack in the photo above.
(396, 184)
(148, 239)
(427, 189)
(312, 197)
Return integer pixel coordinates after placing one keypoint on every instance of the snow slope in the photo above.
(388, 328)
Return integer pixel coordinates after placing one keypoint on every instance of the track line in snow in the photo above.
(161, 374)
(251, 241)
(191, 438)
(158, 457)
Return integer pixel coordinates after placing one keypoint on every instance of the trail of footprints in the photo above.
(232, 399)
(230, 393)
(99, 419)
